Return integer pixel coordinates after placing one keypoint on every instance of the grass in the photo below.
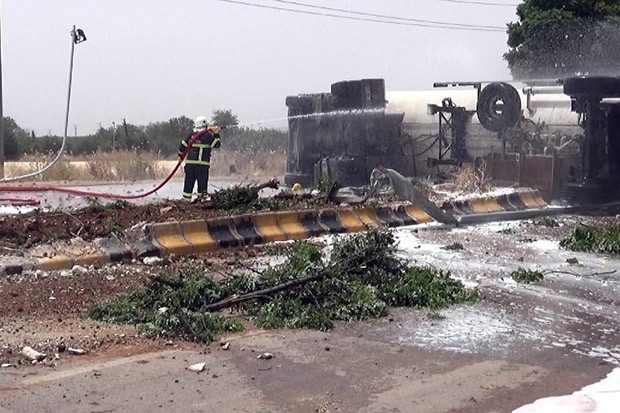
(362, 278)
(132, 165)
(584, 238)
(524, 276)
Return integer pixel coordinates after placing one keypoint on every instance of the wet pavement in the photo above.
(51, 200)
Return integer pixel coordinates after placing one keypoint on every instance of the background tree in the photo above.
(558, 38)
(16, 140)
(164, 137)
(159, 137)
(224, 118)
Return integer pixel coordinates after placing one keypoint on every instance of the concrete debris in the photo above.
(65, 273)
(198, 367)
(162, 310)
(79, 270)
(76, 351)
(226, 346)
(32, 354)
(165, 209)
(152, 260)
(6, 365)
(265, 356)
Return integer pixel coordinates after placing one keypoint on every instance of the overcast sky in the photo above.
(151, 60)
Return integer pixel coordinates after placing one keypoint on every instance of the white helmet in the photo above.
(200, 123)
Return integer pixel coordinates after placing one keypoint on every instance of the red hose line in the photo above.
(104, 194)
(21, 201)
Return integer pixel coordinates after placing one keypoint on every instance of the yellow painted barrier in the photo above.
(170, 237)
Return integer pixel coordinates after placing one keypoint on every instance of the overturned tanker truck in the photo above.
(558, 136)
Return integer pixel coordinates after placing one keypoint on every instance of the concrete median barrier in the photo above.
(198, 236)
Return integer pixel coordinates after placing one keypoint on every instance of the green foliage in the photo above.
(455, 246)
(170, 311)
(324, 185)
(224, 118)
(235, 198)
(362, 278)
(554, 38)
(16, 140)
(114, 227)
(524, 276)
(589, 239)
(291, 313)
(161, 137)
(243, 139)
(547, 222)
(165, 137)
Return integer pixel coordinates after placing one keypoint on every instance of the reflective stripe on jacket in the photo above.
(200, 152)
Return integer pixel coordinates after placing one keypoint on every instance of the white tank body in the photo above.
(550, 109)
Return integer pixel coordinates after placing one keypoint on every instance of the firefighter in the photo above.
(198, 159)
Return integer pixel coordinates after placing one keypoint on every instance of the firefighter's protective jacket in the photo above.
(200, 152)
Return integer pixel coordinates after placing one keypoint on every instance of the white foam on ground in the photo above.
(469, 329)
(9, 209)
(545, 245)
(601, 397)
(460, 196)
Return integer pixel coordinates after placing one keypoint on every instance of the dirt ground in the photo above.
(518, 344)
(22, 231)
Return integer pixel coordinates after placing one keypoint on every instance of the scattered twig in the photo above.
(77, 220)
(247, 267)
(594, 274)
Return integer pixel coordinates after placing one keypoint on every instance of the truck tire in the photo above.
(592, 86)
(493, 116)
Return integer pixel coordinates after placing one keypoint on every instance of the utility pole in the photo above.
(113, 135)
(1, 112)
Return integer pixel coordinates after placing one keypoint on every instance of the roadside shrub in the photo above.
(589, 239)
(361, 278)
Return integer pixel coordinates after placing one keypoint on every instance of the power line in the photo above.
(480, 3)
(383, 16)
(339, 16)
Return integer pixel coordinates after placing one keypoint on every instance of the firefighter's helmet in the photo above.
(200, 123)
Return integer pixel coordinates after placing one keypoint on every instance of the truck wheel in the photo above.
(499, 106)
(592, 86)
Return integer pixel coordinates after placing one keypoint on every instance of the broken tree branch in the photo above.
(273, 184)
(265, 292)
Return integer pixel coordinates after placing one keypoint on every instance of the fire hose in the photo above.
(78, 192)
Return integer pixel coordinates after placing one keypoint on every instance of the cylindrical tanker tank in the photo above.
(548, 107)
